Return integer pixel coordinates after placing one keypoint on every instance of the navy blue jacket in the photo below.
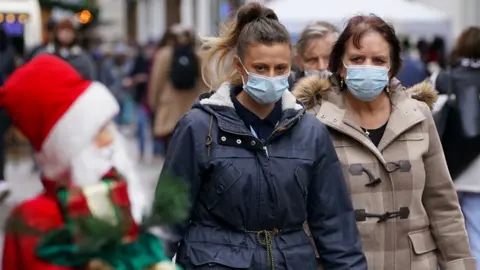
(251, 199)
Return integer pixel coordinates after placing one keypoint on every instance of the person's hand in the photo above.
(97, 264)
(140, 78)
(127, 82)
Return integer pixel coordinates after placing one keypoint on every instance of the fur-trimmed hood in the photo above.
(311, 90)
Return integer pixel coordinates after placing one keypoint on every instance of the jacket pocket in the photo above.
(300, 257)
(422, 250)
(222, 183)
(218, 256)
(302, 178)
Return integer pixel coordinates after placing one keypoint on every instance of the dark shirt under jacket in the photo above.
(263, 127)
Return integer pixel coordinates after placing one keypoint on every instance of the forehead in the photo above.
(320, 45)
(371, 43)
(277, 53)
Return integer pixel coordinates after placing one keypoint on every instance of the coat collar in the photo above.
(220, 104)
(324, 98)
(74, 50)
(222, 98)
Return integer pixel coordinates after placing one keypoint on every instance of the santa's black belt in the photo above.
(362, 215)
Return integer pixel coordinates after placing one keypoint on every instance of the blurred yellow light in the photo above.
(84, 17)
(10, 18)
(22, 18)
(1, 17)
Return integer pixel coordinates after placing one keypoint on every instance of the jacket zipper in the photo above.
(266, 151)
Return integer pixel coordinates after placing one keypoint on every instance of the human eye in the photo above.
(357, 60)
(259, 68)
(281, 69)
(379, 61)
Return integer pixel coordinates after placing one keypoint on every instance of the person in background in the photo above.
(257, 165)
(7, 66)
(313, 49)
(115, 74)
(413, 69)
(139, 79)
(406, 206)
(175, 82)
(168, 39)
(437, 52)
(461, 136)
(50, 29)
(64, 45)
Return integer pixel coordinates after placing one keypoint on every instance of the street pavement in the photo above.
(25, 183)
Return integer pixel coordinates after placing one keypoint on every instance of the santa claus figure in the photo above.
(88, 216)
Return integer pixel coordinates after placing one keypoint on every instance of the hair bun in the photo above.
(254, 11)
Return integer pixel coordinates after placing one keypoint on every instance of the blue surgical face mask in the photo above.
(263, 89)
(318, 73)
(366, 82)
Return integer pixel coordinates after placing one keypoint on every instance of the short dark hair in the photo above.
(467, 45)
(356, 28)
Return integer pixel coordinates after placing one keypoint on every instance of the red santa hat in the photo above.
(58, 111)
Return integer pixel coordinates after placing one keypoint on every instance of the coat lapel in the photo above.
(340, 120)
(405, 114)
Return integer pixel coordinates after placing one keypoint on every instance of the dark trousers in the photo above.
(5, 124)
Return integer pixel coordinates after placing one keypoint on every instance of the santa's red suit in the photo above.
(61, 114)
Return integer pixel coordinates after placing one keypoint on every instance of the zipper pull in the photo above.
(266, 150)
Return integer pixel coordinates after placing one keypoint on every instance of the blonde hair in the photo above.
(253, 24)
(318, 29)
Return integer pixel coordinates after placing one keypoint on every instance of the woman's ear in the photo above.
(240, 68)
(342, 72)
(238, 65)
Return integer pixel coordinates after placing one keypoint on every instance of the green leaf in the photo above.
(97, 234)
(171, 203)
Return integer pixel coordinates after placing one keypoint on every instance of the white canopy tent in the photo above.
(408, 18)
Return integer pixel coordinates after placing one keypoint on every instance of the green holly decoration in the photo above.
(171, 202)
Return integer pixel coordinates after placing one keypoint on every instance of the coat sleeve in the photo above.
(91, 72)
(441, 204)
(19, 248)
(330, 213)
(182, 164)
(158, 77)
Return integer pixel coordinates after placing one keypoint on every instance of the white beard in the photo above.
(89, 166)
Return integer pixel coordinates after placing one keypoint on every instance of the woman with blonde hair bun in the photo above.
(257, 166)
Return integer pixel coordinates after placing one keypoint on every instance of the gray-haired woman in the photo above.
(313, 49)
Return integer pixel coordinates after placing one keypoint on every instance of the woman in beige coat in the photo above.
(168, 103)
(406, 208)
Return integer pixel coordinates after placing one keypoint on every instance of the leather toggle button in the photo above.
(220, 189)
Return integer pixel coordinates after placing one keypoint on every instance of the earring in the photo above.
(342, 83)
(387, 89)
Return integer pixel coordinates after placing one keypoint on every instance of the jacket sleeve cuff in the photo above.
(461, 264)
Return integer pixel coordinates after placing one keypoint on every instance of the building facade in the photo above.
(147, 20)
